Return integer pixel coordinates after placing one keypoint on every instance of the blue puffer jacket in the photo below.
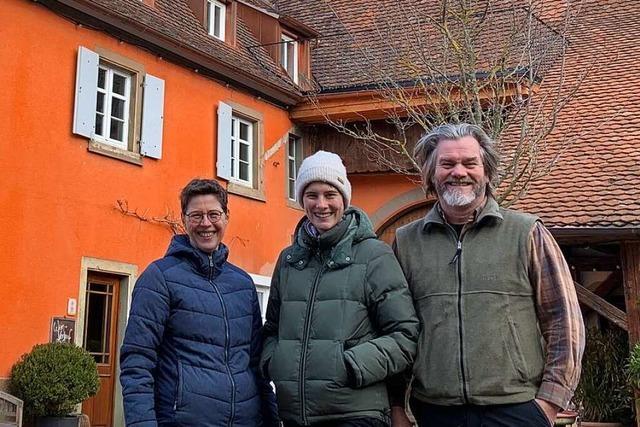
(192, 345)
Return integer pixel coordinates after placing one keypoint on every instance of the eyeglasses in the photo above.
(197, 217)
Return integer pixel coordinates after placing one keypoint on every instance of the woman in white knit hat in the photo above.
(340, 319)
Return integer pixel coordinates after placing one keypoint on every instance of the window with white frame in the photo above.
(289, 56)
(216, 12)
(118, 107)
(294, 158)
(112, 106)
(241, 150)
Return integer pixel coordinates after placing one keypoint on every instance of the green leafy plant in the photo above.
(633, 367)
(53, 378)
(604, 392)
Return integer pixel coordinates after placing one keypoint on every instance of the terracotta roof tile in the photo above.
(363, 41)
(597, 180)
(174, 19)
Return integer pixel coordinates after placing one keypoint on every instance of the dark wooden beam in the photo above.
(630, 255)
(602, 307)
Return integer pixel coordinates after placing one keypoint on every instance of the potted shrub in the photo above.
(633, 370)
(604, 394)
(51, 380)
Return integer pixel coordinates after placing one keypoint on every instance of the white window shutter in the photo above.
(84, 110)
(223, 165)
(152, 117)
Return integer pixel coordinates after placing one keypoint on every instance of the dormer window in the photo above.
(289, 56)
(216, 13)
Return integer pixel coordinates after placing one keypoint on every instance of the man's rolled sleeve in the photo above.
(559, 317)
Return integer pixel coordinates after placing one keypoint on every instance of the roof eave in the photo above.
(369, 104)
(591, 234)
(88, 13)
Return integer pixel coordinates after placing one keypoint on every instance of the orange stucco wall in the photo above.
(383, 196)
(58, 200)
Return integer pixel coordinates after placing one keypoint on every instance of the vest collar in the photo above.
(490, 210)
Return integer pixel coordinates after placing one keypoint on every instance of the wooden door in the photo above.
(387, 232)
(100, 340)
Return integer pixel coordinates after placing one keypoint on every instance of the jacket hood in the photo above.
(180, 247)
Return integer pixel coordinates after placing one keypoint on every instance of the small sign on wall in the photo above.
(62, 329)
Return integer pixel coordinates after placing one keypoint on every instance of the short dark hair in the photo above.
(201, 187)
(425, 152)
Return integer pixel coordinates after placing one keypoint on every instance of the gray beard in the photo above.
(457, 198)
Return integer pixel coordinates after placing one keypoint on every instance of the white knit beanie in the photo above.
(325, 167)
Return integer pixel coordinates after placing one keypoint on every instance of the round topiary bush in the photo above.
(52, 378)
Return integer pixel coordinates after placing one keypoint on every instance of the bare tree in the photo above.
(500, 64)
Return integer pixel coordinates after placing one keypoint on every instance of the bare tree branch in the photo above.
(168, 220)
(500, 64)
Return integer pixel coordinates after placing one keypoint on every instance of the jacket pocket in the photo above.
(341, 378)
(516, 354)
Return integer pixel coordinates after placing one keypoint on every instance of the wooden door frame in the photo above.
(398, 206)
(128, 273)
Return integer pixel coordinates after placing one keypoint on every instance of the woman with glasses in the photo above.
(193, 340)
(340, 319)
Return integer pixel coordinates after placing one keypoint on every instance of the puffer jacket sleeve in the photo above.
(270, 329)
(139, 353)
(269, 406)
(392, 309)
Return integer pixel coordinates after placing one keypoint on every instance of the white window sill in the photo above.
(244, 191)
(114, 152)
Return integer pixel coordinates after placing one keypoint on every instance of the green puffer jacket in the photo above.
(340, 321)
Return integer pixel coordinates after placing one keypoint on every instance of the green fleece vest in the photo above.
(480, 342)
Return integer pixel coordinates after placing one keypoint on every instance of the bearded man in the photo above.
(502, 333)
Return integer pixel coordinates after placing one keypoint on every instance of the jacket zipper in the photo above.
(226, 342)
(458, 261)
(305, 342)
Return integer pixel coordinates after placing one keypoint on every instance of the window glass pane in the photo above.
(283, 54)
(95, 322)
(244, 131)
(119, 84)
(290, 57)
(99, 124)
(292, 147)
(244, 152)
(292, 169)
(98, 287)
(102, 76)
(292, 189)
(106, 347)
(233, 127)
(209, 23)
(298, 151)
(244, 171)
(100, 102)
(117, 108)
(116, 130)
(216, 21)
